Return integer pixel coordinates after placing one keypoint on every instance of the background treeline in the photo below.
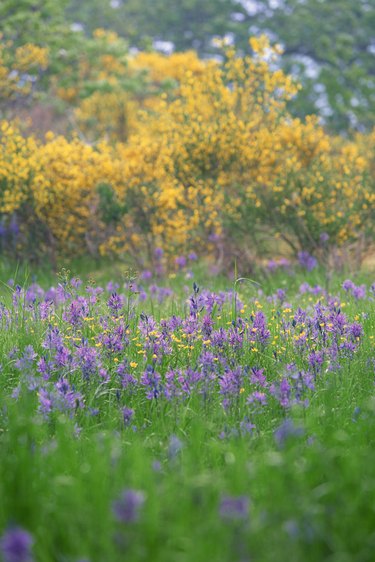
(329, 46)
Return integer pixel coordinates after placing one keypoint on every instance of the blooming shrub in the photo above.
(216, 157)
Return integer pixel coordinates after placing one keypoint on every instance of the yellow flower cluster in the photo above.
(64, 194)
(112, 112)
(52, 187)
(110, 115)
(160, 68)
(18, 167)
(309, 184)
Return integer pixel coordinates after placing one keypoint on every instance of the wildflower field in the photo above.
(143, 420)
(187, 293)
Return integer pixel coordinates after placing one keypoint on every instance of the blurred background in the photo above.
(328, 45)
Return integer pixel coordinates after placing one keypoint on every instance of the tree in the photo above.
(41, 22)
(330, 47)
(187, 23)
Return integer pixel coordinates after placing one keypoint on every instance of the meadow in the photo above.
(187, 302)
(188, 417)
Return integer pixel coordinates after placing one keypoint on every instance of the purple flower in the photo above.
(76, 282)
(127, 508)
(213, 237)
(115, 340)
(152, 381)
(158, 253)
(77, 310)
(207, 324)
(271, 265)
(356, 413)
(147, 324)
(348, 285)
(307, 261)
(156, 466)
(127, 414)
(115, 303)
(63, 357)
(286, 430)
(355, 330)
(259, 397)
(180, 261)
(316, 359)
(66, 397)
(142, 295)
(284, 392)
(112, 287)
(257, 376)
(53, 339)
(284, 262)
(246, 427)
(146, 274)
(33, 293)
(45, 402)
(25, 363)
(127, 380)
(192, 256)
(234, 508)
(45, 309)
(304, 288)
(359, 292)
(347, 348)
(174, 447)
(280, 293)
(259, 332)
(15, 545)
(87, 359)
(231, 382)
(316, 290)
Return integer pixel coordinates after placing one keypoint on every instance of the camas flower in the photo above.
(15, 545)
(286, 430)
(127, 508)
(235, 508)
(127, 414)
(307, 261)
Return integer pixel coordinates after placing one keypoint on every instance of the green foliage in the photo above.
(330, 46)
(41, 22)
(110, 209)
(187, 23)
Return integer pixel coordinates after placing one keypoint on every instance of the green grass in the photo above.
(312, 499)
